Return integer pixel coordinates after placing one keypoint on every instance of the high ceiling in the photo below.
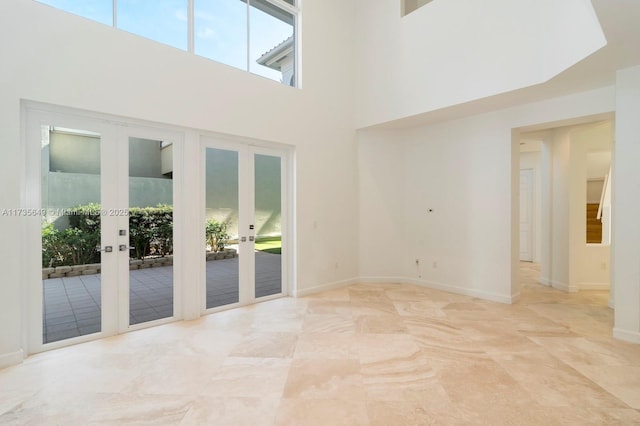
(620, 21)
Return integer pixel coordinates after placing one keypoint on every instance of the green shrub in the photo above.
(150, 232)
(86, 218)
(71, 246)
(216, 234)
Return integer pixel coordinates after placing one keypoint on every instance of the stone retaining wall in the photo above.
(95, 268)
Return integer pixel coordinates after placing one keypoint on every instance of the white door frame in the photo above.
(188, 235)
(114, 175)
(246, 150)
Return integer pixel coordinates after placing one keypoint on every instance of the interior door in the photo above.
(244, 222)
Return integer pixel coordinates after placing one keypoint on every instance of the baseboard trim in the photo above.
(564, 287)
(464, 291)
(406, 280)
(544, 281)
(382, 280)
(612, 303)
(626, 335)
(593, 286)
(12, 358)
(324, 287)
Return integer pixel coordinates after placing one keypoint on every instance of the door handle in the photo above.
(106, 249)
(123, 247)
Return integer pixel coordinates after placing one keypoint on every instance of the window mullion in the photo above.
(191, 26)
(248, 35)
(115, 13)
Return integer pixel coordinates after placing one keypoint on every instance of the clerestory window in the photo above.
(258, 36)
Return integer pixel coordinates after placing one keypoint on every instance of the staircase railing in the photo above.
(603, 195)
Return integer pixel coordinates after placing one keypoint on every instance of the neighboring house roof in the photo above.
(273, 58)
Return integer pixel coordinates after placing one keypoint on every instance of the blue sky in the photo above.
(220, 26)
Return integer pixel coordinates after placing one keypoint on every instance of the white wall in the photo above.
(463, 170)
(570, 263)
(381, 203)
(454, 51)
(590, 263)
(546, 208)
(531, 160)
(62, 59)
(594, 190)
(561, 207)
(626, 206)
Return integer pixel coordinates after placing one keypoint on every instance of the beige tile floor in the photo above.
(368, 354)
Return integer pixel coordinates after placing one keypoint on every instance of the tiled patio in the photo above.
(72, 305)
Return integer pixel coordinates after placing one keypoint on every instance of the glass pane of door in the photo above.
(221, 213)
(150, 230)
(268, 225)
(71, 265)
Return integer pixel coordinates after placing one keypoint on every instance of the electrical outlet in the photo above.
(417, 261)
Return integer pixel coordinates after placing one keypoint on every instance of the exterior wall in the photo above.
(145, 158)
(268, 214)
(71, 172)
(221, 186)
(62, 59)
(72, 154)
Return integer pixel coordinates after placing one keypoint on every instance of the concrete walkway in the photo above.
(72, 306)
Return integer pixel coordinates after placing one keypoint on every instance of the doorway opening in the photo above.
(559, 155)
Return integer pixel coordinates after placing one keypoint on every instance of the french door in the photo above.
(245, 214)
(103, 219)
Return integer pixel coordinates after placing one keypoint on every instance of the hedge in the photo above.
(150, 232)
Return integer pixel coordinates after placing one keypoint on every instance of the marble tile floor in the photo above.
(367, 354)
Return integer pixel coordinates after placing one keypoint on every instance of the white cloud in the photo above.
(181, 15)
(207, 33)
